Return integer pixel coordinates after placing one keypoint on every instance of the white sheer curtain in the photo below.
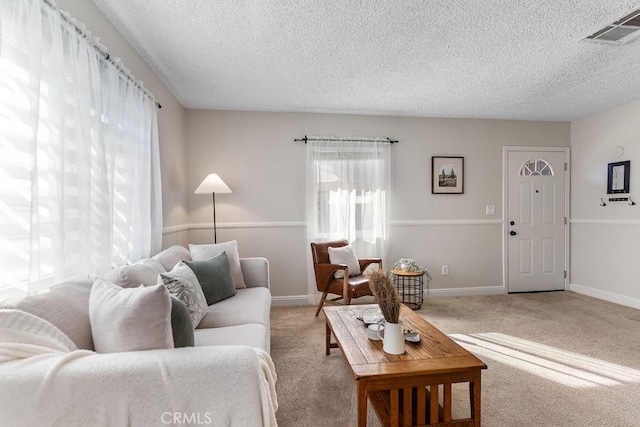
(348, 187)
(79, 155)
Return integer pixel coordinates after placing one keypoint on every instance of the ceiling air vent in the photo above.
(621, 31)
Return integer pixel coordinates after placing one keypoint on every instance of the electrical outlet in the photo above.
(490, 210)
(445, 270)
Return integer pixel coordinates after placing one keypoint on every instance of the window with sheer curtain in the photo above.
(348, 186)
(79, 156)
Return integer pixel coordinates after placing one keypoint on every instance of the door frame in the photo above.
(505, 207)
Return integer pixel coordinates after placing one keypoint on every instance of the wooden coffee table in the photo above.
(404, 390)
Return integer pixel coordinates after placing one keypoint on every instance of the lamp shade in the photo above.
(212, 184)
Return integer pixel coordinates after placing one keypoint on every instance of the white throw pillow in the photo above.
(344, 255)
(143, 272)
(204, 252)
(129, 319)
(183, 284)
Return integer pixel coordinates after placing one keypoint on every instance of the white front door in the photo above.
(536, 221)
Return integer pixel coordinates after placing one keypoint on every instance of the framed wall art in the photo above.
(447, 175)
(618, 177)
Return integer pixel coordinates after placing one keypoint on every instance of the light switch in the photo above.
(490, 210)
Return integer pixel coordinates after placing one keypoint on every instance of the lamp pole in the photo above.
(215, 232)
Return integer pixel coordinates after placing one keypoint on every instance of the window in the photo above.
(536, 167)
(79, 162)
(348, 190)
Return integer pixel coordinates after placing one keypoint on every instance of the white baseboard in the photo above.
(291, 300)
(605, 221)
(605, 295)
(483, 290)
(458, 292)
(313, 299)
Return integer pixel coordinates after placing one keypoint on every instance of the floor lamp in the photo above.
(213, 184)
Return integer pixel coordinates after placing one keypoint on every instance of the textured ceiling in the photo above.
(510, 59)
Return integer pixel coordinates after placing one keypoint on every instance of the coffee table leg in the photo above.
(362, 404)
(475, 388)
(328, 339)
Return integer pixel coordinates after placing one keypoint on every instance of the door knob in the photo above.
(513, 233)
(512, 223)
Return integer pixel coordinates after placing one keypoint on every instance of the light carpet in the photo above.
(554, 359)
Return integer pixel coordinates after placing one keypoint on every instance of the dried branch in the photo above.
(386, 293)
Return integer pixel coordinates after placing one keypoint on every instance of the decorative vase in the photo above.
(393, 337)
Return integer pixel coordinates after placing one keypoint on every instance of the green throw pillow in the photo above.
(181, 327)
(215, 278)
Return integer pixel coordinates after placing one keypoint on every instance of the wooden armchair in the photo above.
(347, 287)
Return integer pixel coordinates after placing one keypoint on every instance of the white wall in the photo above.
(605, 241)
(255, 155)
(171, 117)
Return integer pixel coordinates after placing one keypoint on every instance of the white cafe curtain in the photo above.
(348, 188)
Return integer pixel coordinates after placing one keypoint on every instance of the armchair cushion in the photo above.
(358, 286)
(344, 255)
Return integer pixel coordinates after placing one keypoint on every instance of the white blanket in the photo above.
(44, 381)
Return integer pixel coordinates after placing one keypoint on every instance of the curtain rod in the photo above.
(305, 139)
(96, 46)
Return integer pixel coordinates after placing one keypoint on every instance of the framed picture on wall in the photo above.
(618, 177)
(447, 175)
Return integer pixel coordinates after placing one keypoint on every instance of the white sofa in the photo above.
(243, 319)
(231, 383)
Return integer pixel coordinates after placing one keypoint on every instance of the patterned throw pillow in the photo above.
(183, 284)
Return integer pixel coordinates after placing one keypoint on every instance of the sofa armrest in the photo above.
(256, 272)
